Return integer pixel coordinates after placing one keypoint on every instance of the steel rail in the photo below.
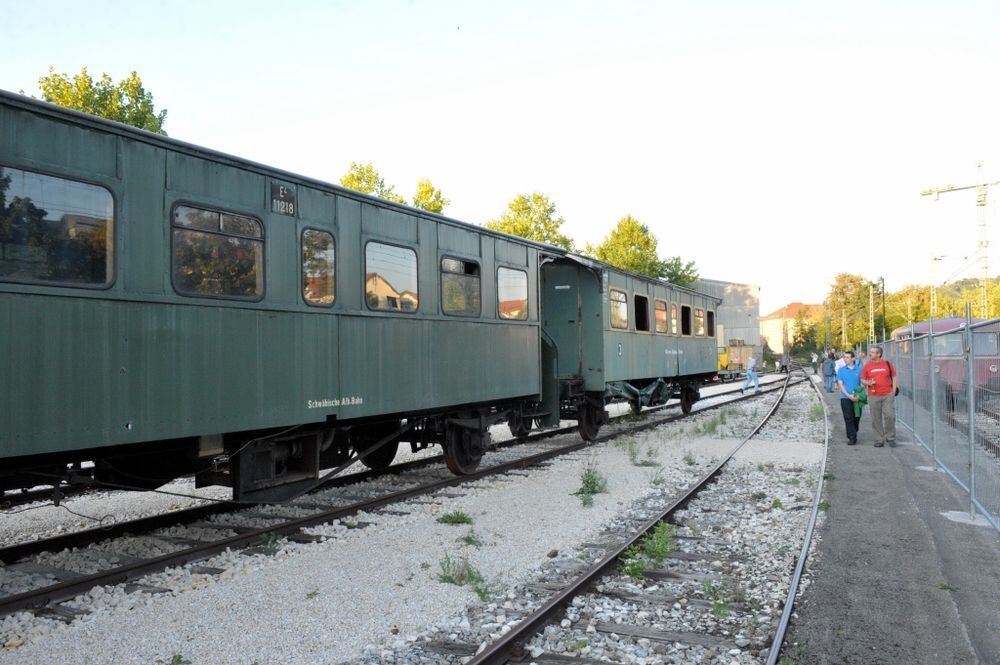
(512, 644)
(779, 634)
(64, 590)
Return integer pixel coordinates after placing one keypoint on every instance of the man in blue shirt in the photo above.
(849, 378)
(751, 376)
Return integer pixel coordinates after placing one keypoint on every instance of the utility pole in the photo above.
(882, 287)
(982, 191)
(871, 314)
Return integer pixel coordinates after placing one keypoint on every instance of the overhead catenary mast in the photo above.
(982, 191)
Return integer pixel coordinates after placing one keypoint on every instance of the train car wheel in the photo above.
(686, 400)
(463, 449)
(588, 423)
(519, 427)
(634, 407)
(377, 460)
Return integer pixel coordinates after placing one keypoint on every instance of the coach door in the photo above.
(561, 315)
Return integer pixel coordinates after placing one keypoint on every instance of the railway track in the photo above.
(68, 584)
(513, 646)
(47, 493)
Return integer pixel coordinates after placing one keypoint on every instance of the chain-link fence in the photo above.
(949, 397)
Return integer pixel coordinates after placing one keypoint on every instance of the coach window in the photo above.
(217, 254)
(318, 263)
(391, 278)
(711, 323)
(685, 320)
(460, 292)
(512, 294)
(673, 318)
(660, 312)
(699, 322)
(54, 230)
(619, 309)
(641, 313)
(984, 343)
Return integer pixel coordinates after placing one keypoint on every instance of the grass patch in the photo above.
(824, 506)
(657, 477)
(689, 458)
(816, 412)
(828, 476)
(650, 552)
(312, 594)
(270, 539)
(632, 448)
(455, 517)
(793, 481)
(578, 646)
(944, 586)
(760, 467)
(176, 659)
(471, 539)
(459, 572)
(776, 504)
(591, 483)
(720, 609)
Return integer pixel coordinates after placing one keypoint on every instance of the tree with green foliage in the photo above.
(632, 246)
(805, 334)
(532, 216)
(428, 197)
(127, 101)
(366, 179)
(676, 271)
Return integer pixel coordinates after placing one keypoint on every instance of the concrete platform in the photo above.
(895, 580)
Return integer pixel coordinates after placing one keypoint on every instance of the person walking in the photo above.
(815, 361)
(784, 363)
(879, 376)
(751, 376)
(829, 372)
(849, 379)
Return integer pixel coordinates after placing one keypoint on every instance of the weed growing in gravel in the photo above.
(720, 609)
(312, 594)
(824, 506)
(424, 565)
(650, 552)
(471, 539)
(633, 455)
(793, 481)
(816, 412)
(459, 572)
(776, 504)
(269, 539)
(591, 483)
(455, 517)
(711, 426)
(828, 476)
(578, 646)
(176, 659)
(657, 477)
(689, 458)
(760, 467)
(944, 586)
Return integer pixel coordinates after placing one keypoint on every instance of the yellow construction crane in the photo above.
(982, 190)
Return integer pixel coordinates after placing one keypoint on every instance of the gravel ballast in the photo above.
(377, 587)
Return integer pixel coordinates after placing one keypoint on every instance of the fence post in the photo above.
(913, 383)
(933, 386)
(970, 393)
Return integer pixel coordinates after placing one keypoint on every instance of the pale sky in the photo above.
(775, 143)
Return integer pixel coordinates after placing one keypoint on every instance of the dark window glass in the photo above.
(318, 263)
(460, 289)
(984, 343)
(685, 320)
(217, 254)
(948, 345)
(512, 294)
(711, 324)
(660, 308)
(54, 230)
(641, 313)
(619, 309)
(673, 318)
(699, 322)
(390, 278)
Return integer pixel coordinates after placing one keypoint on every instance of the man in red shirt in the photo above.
(879, 376)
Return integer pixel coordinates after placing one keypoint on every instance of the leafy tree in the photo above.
(127, 101)
(804, 335)
(532, 216)
(631, 246)
(429, 197)
(678, 272)
(366, 179)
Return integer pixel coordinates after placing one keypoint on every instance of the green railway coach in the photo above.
(169, 310)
